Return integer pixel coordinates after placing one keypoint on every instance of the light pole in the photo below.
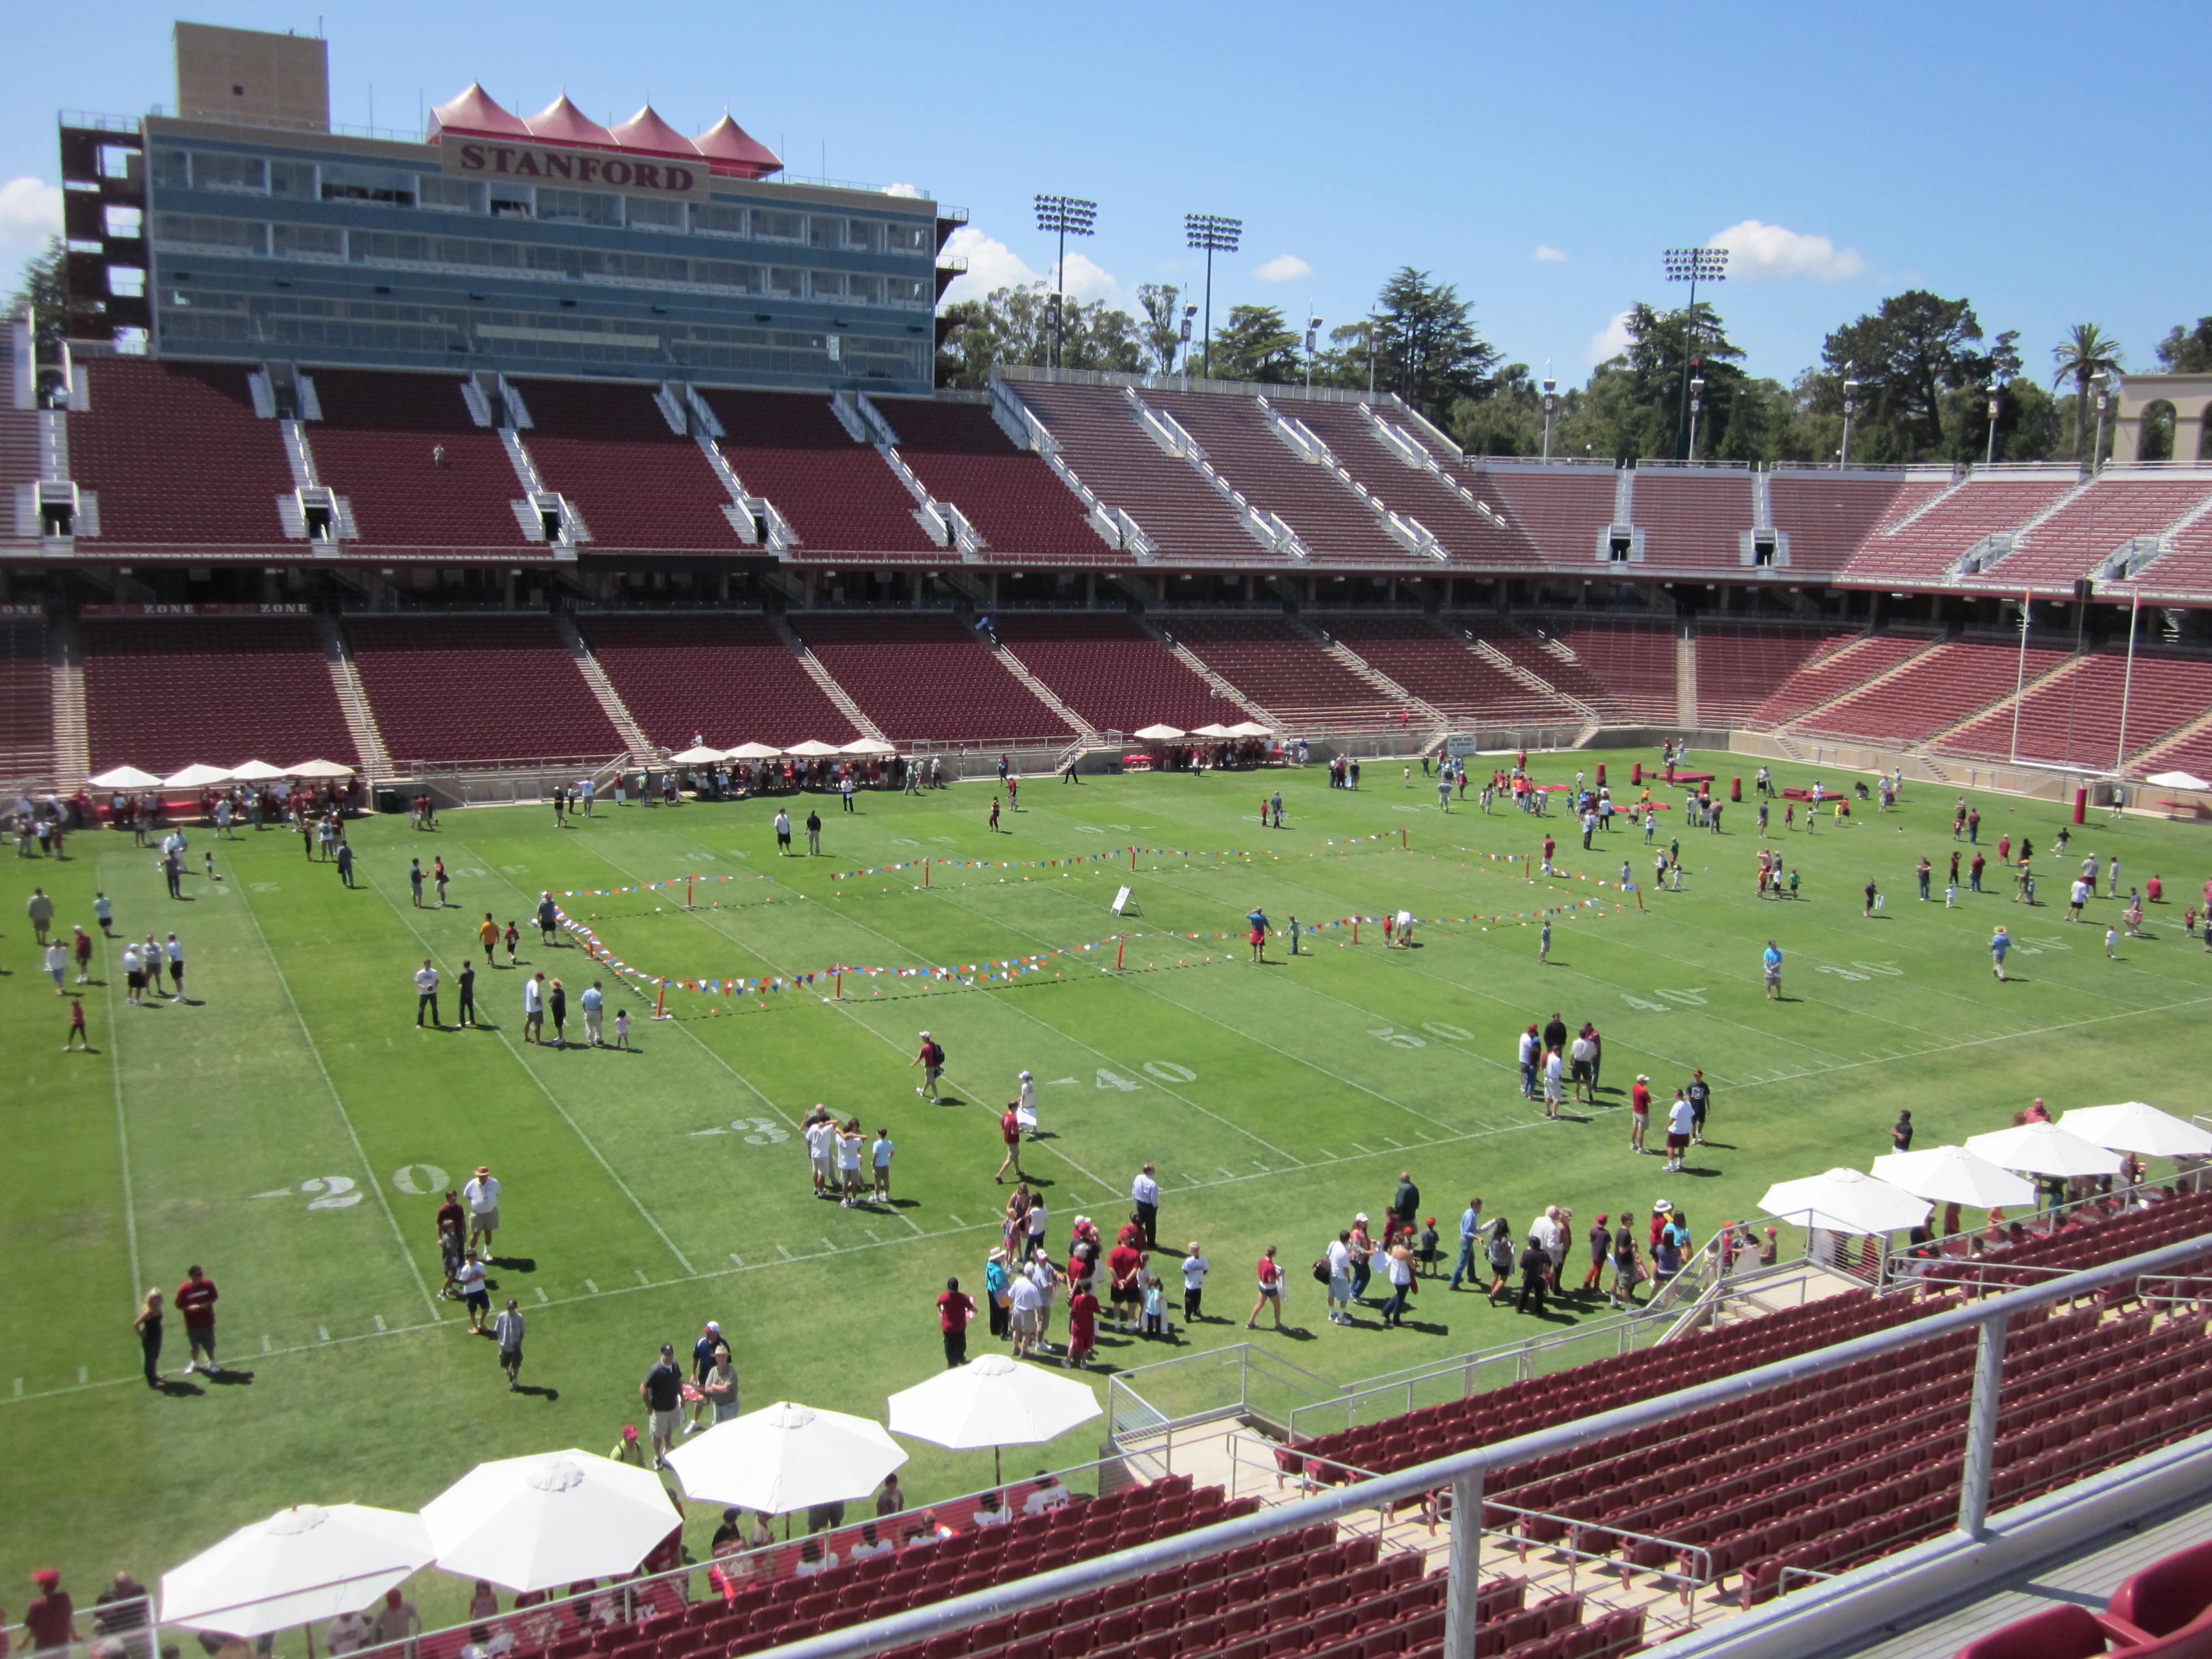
(1313, 336)
(1215, 234)
(1996, 403)
(2104, 397)
(1188, 311)
(1697, 404)
(1064, 216)
(1551, 397)
(1851, 408)
(1691, 265)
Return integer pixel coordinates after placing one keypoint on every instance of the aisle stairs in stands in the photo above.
(1087, 736)
(1685, 676)
(2035, 682)
(1535, 682)
(72, 752)
(360, 720)
(1853, 690)
(821, 677)
(1190, 659)
(1374, 676)
(625, 723)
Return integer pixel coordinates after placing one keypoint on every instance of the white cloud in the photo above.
(993, 265)
(30, 212)
(901, 190)
(1758, 251)
(1547, 255)
(1608, 342)
(1284, 268)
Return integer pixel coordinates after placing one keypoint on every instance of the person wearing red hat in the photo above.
(51, 1616)
(627, 1449)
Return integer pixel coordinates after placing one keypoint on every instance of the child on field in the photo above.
(1431, 1254)
(1156, 1301)
(514, 938)
(622, 1019)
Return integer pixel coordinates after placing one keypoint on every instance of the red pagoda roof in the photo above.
(647, 132)
(733, 150)
(562, 122)
(476, 110)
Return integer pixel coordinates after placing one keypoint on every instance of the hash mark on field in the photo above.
(379, 1322)
(322, 1333)
(592, 1288)
(785, 1254)
(542, 1296)
(265, 1348)
(736, 1261)
(1231, 1174)
(954, 1219)
(829, 1244)
(19, 1388)
(1398, 1143)
(1357, 1148)
(1328, 1154)
(871, 1233)
(641, 1279)
(83, 1376)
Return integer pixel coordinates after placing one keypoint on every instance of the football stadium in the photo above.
(1171, 861)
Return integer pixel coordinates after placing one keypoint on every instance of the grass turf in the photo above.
(647, 1193)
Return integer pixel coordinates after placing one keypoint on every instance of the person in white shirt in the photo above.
(426, 995)
(1024, 1299)
(533, 1008)
(1531, 1053)
(1681, 1122)
(1405, 929)
(1554, 1083)
(345, 1633)
(1194, 1267)
(814, 1557)
(1145, 1194)
(870, 1545)
(1025, 1107)
(1340, 1280)
(1049, 1496)
(821, 1152)
(482, 1196)
(990, 1511)
(1044, 1275)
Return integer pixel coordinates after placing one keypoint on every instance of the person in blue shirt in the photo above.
(1772, 956)
(595, 1002)
(1470, 1236)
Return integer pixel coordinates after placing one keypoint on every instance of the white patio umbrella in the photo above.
(1845, 1201)
(2178, 780)
(700, 756)
(2133, 1127)
(1159, 733)
(124, 777)
(317, 768)
(813, 749)
(786, 1457)
(2045, 1149)
(992, 1401)
(753, 751)
(1951, 1174)
(533, 1524)
(1251, 729)
(1213, 730)
(196, 777)
(300, 1564)
(867, 746)
(256, 771)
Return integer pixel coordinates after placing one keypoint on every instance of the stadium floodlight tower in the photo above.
(1851, 408)
(1997, 404)
(1691, 265)
(1313, 343)
(1064, 216)
(1551, 398)
(1215, 234)
(2105, 384)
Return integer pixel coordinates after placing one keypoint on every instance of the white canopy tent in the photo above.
(1251, 729)
(867, 746)
(748, 751)
(1951, 1174)
(1213, 730)
(196, 777)
(124, 777)
(318, 770)
(786, 1457)
(2178, 780)
(256, 771)
(1159, 733)
(1845, 1201)
(992, 1401)
(2045, 1149)
(302, 1564)
(541, 1523)
(2133, 1127)
(813, 749)
(702, 756)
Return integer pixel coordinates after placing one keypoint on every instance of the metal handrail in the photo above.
(1464, 1473)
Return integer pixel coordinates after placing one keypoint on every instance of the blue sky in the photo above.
(1539, 156)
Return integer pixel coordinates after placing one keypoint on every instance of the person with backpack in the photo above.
(930, 1058)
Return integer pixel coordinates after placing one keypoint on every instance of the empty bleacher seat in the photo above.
(1692, 519)
(635, 481)
(162, 693)
(1280, 667)
(1015, 501)
(178, 457)
(419, 473)
(1828, 515)
(1435, 660)
(728, 678)
(1937, 691)
(927, 678)
(27, 704)
(838, 495)
(1740, 665)
(1111, 671)
(493, 687)
(1921, 547)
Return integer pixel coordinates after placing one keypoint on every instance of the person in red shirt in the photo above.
(1639, 1112)
(195, 1300)
(1122, 1265)
(51, 1617)
(1271, 1290)
(2153, 890)
(955, 1308)
(1010, 1130)
(995, 812)
(1550, 845)
(1082, 1325)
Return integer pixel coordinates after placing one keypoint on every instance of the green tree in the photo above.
(42, 290)
(2188, 353)
(1426, 347)
(2086, 352)
(1907, 358)
(1256, 344)
(1014, 326)
(1161, 331)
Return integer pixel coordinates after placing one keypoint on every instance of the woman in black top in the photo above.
(558, 1008)
(148, 1327)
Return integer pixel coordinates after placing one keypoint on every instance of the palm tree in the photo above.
(2086, 352)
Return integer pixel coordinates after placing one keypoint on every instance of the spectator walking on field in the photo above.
(465, 985)
(195, 1300)
(426, 996)
(482, 1196)
(662, 1391)
(931, 1057)
(955, 1308)
(507, 1329)
(1270, 1275)
(41, 909)
(77, 1034)
(533, 1008)
(488, 934)
(594, 1002)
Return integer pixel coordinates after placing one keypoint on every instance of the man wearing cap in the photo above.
(482, 1196)
(662, 1390)
(703, 1363)
(195, 1299)
(627, 1449)
(1145, 1194)
(51, 1616)
(930, 1058)
(1701, 1095)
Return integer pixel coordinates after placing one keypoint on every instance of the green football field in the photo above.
(291, 1129)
